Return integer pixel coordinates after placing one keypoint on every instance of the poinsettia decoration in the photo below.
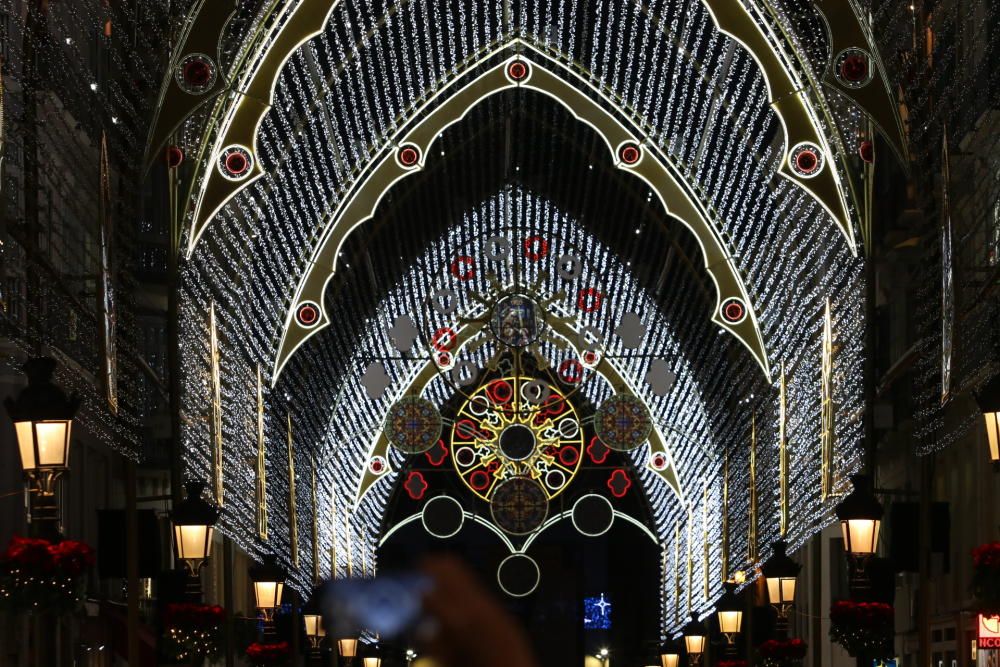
(263, 654)
(192, 631)
(39, 575)
(782, 652)
(986, 577)
(732, 663)
(864, 629)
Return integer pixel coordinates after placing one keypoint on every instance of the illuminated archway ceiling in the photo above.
(520, 159)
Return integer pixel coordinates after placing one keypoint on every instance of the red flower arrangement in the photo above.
(986, 577)
(732, 663)
(782, 653)
(36, 574)
(192, 631)
(268, 654)
(864, 629)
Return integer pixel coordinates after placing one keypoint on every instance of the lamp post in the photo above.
(695, 637)
(193, 522)
(348, 649)
(780, 573)
(989, 402)
(312, 619)
(603, 656)
(730, 614)
(670, 655)
(43, 421)
(860, 515)
(268, 584)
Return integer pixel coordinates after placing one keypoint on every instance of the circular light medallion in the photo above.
(518, 575)
(235, 162)
(733, 310)
(442, 517)
(592, 515)
(515, 321)
(622, 422)
(518, 71)
(806, 160)
(307, 314)
(658, 461)
(630, 153)
(413, 425)
(175, 157)
(516, 427)
(866, 151)
(408, 156)
(377, 465)
(519, 505)
(853, 68)
(195, 74)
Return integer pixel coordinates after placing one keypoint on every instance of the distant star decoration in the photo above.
(631, 331)
(403, 333)
(375, 380)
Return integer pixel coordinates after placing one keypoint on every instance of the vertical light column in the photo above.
(752, 519)
(704, 541)
(725, 516)
(216, 407)
(106, 289)
(261, 481)
(315, 522)
(783, 453)
(677, 573)
(293, 519)
(826, 432)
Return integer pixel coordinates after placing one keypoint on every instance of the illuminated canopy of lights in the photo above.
(696, 94)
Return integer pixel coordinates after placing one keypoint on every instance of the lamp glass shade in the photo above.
(730, 622)
(993, 434)
(314, 625)
(268, 593)
(670, 660)
(348, 648)
(193, 542)
(860, 535)
(695, 644)
(44, 443)
(373, 661)
(781, 590)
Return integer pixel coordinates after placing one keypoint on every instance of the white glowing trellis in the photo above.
(337, 100)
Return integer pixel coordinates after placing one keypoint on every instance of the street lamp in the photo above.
(670, 656)
(43, 421)
(780, 573)
(347, 648)
(194, 520)
(314, 629)
(268, 584)
(730, 614)
(860, 515)
(695, 637)
(989, 402)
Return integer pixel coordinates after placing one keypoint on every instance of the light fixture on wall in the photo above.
(695, 638)
(43, 423)
(193, 521)
(670, 655)
(729, 611)
(860, 515)
(268, 584)
(780, 574)
(989, 403)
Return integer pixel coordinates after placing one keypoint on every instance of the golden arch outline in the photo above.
(386, 170)
(428, 371)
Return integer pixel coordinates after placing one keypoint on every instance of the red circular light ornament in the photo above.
(733, 310)
(235, 162)
(308, 314)
(175, 157)
(853, 68)
(630, 153)
(517, 70)
(444, 339)
(195, 74)
(500, 392)
(568, 456)
(408, 155)
(571, 371)
(461, 267)
(479, 480)
(866, 150)
(658, 461)
(589, 299)
(806, 160)
(377, 465)
(536, 248)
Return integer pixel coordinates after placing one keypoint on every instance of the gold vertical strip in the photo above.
(752, 522)
(690, 562)
(293, 519)
(261, 486)
(783, 453)
(315, 523)
(350, 543)
(704, 541)
(216, 417)
(826, 408)
(725, 516)
(106, 309)
(677, 572)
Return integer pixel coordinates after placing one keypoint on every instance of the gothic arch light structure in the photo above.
(336, 102)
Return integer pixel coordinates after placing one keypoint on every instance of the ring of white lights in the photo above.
(581, 499)
(518, 556)
(442, 499)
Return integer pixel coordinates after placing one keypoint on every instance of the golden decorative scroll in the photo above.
(216, 416)
(261, 485)
(106, 310)
(293, 519)
(783, 453)
(826, 429)
(752, 523)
